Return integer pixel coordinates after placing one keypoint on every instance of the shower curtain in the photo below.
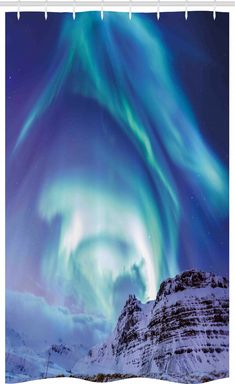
(117, 159)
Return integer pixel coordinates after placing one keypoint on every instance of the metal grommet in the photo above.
(102, 10)
(18, 10)
(45, 13)
(186, 9)
(214, 10)
(130, 10)
(74, 12)
(158, 9)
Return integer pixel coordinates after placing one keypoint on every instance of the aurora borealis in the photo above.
(117, 162)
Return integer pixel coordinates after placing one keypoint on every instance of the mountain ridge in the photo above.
(181, 335)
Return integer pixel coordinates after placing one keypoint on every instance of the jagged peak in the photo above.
(132, 305)
(191, 279)
(131, 299)
(149, 342)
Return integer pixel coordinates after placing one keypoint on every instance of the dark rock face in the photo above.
(182, 335)
(189, 324)
(60, 349)
(190, 279)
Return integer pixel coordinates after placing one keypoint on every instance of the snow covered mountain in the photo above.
(180, 336)
(26, 362)
(22, 362)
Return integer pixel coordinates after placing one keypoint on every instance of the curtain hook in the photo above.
(102, 10)
(214, 11)
(130, 10)
(74, 13)
(158, 9)
(186, 9)
(46, 9)
(18, 10)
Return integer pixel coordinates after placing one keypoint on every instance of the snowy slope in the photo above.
(25, 362)
(182, 335)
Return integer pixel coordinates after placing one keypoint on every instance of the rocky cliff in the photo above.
(180, 336)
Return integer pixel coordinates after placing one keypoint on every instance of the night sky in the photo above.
(117, 163)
